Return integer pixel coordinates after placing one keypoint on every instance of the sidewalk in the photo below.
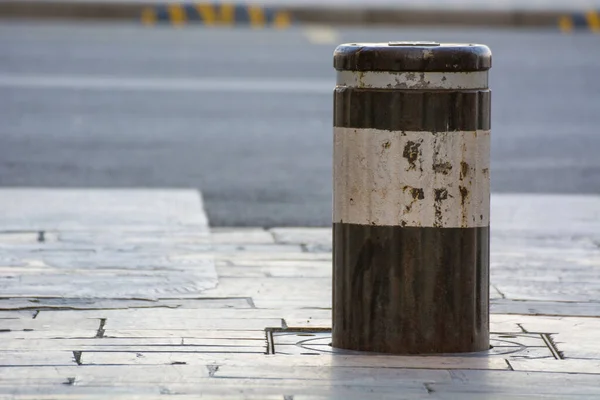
(279, 13)
(129, 294)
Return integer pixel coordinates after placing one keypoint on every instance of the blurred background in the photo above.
(236, 99)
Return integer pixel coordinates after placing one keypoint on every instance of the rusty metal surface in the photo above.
(426, 58)
(411, 218)
(407, 178)
(412, 110)
(410, 290)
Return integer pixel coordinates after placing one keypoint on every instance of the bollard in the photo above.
(411, 198)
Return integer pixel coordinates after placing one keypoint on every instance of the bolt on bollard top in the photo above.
(411, 198)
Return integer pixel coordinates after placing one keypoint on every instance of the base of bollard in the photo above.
(314, 341)
(470, 353)
(410, 290)
(480, 353)
(440, 351)
(503, 345)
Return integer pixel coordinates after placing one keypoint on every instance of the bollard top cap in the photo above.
(412, 56)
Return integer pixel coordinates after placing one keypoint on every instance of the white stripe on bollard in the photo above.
(413, 80)
(413, 179)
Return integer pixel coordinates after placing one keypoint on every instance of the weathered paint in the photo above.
(418, 179)
(447, 57)
(593, 19)
(148, 16)
(413, 80)
(410, 290)
(177, 14)
(411, 198)
(211, 14)
(412, 110)
(257, 16)
(207, 13)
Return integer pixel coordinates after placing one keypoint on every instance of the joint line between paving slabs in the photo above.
(65, 308)
(268, 229)
(100, 333)
(70, 381)
(547, 337)
(212, 370)
(499, 292)
(429, 388)
(250, 302)
(77, 356)
(509, 366)
(270, 341)
(269, 331)
(522, 329)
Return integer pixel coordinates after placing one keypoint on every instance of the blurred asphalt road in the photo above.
(245, 115)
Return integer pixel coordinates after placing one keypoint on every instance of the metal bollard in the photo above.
(411, 198)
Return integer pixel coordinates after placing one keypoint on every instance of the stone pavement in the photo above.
(129, 294)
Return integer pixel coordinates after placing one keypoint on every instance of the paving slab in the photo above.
(174, 308)
(114, 244)
(120, 210)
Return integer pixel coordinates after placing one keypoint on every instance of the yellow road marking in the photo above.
(227, 14)
(257, 16)
(593, 20)
(207, 13)
(282, 20)
(565, 24)
(177, 14)
(148, 16)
